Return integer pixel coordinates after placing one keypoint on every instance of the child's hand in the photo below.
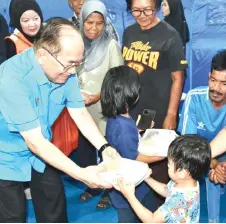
(148, 174)
(152, 124)
(127, 188)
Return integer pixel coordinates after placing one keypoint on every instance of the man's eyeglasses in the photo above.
(147, 12)
(77, 65)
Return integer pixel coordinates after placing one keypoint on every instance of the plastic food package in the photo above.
(155, 142)
(130, 170)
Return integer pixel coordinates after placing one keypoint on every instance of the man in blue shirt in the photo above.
(204, 110)
(35, 86)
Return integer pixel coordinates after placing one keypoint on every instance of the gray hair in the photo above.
(50, 34)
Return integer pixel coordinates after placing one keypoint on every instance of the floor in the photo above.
(87, 213)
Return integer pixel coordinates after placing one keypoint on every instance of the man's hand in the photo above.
(218, 175)
(110, 153)
(92, 179)
(170, 122)
(90, 99)
(127, 188)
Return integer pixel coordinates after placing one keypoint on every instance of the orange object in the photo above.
(65, 133)
(19, 40)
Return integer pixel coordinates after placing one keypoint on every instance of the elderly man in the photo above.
(35, 86)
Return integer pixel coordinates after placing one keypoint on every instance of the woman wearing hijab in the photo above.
(102, 52)
(26, 19)
(174, 15)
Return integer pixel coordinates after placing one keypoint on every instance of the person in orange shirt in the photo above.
(26, 19)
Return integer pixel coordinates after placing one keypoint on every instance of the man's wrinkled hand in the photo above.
(91, 177)
(110, 153)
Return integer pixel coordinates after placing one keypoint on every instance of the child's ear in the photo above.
(183, 174)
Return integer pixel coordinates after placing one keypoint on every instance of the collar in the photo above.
(39, 74)
(207, 94)
(76, 17)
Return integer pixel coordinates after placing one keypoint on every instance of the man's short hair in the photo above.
(191, 153)
(120, 90)
(157, 4)
(219, 61)
(50, 34)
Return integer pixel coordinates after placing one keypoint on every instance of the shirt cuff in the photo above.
(79, 104)
(23, 127)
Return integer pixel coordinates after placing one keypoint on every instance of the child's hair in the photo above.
(192, 153)
(120, 90)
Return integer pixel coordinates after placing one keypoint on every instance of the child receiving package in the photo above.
(189, 158)
(119, 92)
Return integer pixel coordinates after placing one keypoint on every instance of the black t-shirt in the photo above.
(154, 53)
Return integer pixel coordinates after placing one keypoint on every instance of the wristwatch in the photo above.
(102, 148)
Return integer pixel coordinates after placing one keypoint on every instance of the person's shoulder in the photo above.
(4, 30)
(198, 92)
(2, 20)
(113, 47)
(131, 28)
(197, 97)
(19, 66)
(113, 43)
(167, 26)
(114, 126)
(168, 30)
(124, 124)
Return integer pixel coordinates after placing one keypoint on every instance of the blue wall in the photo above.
(206, 19)
(207, 23)
(116, 11)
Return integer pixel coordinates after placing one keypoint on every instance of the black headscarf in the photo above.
(177, 20)
(17, 8)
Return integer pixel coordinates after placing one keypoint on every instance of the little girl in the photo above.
(119, 92)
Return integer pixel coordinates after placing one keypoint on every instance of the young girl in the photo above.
(119, 92)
